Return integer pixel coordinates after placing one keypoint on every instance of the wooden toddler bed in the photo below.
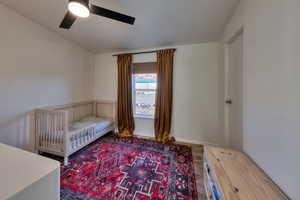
(63, 130)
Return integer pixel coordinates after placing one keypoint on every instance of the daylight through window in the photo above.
(144, 91)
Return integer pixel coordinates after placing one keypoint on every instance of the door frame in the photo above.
(239, 32)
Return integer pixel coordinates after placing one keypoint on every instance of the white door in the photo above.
(234, 100)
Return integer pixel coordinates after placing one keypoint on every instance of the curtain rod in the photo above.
(142, 52)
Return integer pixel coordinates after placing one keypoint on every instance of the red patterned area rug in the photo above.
(114, 168)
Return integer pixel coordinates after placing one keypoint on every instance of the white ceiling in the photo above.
(158, 22)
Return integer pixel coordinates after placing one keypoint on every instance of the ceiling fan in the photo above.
(82, 9)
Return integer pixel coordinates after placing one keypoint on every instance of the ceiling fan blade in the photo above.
(68, 20)
(111, 14)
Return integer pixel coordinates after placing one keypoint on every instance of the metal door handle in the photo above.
(228, 101)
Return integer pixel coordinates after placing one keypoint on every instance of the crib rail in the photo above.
(51, 127)
(79, 111)
(105, 109)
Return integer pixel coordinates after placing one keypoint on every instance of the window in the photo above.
(144, 92)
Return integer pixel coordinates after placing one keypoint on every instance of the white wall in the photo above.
(38, 68)
(272, 99)
(195, 112)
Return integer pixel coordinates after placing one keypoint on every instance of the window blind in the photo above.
(144, 68)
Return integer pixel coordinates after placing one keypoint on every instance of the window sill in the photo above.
(143, 117)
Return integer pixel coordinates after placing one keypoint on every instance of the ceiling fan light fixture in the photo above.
(82, 9)
(79, 8)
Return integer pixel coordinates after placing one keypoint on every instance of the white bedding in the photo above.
(99, 123)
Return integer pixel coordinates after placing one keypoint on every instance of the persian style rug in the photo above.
(114, 168)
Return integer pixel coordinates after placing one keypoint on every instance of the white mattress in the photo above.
(99, 123)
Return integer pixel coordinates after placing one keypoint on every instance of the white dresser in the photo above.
(27, 176)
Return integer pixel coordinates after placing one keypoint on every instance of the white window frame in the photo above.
(138, 116)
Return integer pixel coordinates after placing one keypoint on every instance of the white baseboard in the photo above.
(195, 142)
(143, 135)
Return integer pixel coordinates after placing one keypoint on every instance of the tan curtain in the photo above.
(164, 96)
(125, 113)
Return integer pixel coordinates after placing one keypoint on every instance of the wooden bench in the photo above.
(232, 175)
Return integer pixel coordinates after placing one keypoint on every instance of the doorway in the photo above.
(234, 92)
